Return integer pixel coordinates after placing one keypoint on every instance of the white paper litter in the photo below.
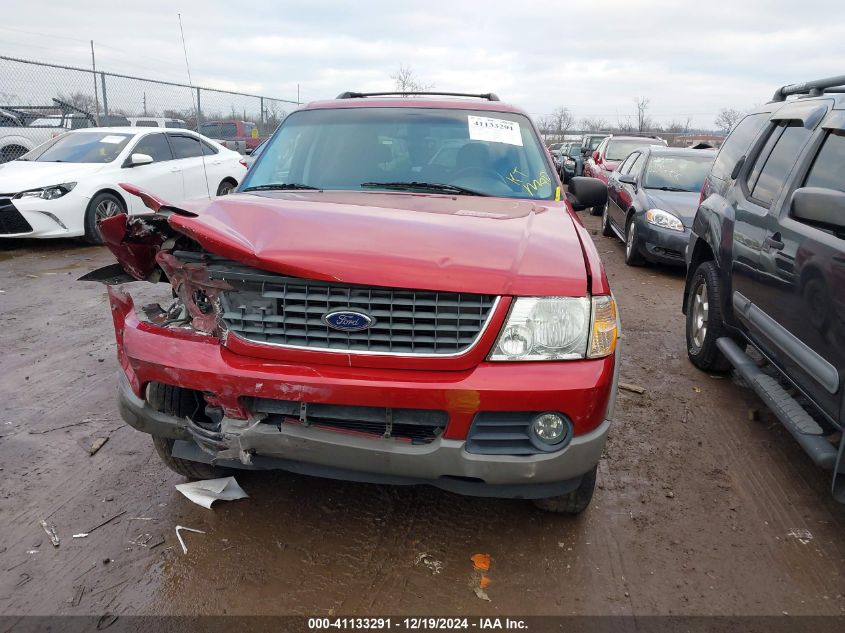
(208, 491)
(179, 528)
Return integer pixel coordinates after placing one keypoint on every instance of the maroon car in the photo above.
(241, 136)
(610, 154)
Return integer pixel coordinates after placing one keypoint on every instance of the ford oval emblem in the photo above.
(348, 320)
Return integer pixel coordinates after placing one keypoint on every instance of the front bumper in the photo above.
(660, 245)
(62, 217)
(583, 390)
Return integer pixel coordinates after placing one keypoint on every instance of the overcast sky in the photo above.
(689, 58)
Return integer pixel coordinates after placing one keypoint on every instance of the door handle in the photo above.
(773, 242)
(175, 169)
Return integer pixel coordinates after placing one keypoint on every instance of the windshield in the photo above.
(489, 153)
(575, 150)
(619, 150)
(595, 141)
(677, 173)
(82, 147)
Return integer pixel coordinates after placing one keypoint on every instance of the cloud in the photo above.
(595, 59)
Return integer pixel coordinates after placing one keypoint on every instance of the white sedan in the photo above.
(63, 187)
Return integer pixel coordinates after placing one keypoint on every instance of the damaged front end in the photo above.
(148, 248)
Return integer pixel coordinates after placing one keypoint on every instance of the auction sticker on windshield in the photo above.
(112, 139)
(482, 128)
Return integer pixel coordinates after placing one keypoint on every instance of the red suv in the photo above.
(396, 293)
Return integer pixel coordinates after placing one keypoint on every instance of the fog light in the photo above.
(549, 428)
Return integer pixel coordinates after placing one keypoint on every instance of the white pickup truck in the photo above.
(21, 132)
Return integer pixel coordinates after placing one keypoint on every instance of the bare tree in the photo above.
(79, 100)
(562, 121)
(727, 118)
(679, 127)
(405, 80)
(643, 120)
(594, 125)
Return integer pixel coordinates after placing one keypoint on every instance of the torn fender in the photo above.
(136, 240)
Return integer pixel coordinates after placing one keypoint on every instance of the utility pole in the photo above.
(94, 75)
(145, 103)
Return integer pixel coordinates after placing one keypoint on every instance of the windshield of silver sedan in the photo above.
(421, 150)
(80, 147)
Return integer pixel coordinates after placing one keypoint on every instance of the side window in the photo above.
(826, 171)
(208, 149)
(737, 144)
(185, 146)
(779, 163)
(626, 166)
(154, 145)
(637, 165)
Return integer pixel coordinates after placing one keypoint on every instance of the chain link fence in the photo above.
(36, 97)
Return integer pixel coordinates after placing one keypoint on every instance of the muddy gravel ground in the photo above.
(700, 508)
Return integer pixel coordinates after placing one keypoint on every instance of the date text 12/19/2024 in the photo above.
(415, 624)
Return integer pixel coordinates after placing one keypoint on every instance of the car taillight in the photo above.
(703, 193)
(243, 162)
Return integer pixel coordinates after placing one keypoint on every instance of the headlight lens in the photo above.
(48, 193)
(544, 328)
(569, 162)
(663, 219)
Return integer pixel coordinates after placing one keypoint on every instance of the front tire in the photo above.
(225, 188)
(573, 502)
(632, 244)
(103, 205)
(606, 230)
(704, 324)
(180, 403)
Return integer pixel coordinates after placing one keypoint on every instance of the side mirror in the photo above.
(628, 179)
(596, 156)
(136, 160)
(587, 192)
(815, 205)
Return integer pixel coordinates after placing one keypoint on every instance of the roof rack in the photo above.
(810, 88)
(489, 96)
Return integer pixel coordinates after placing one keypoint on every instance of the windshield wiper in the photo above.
(281, 186)
(669, 189)
(425, 186)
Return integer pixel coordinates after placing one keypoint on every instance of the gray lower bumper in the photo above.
(442, 463)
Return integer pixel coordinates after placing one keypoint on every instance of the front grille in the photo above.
(268, 308)
(11, 220)
(508, 433)
(417, 426)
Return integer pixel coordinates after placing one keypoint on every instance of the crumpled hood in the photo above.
(435, 242)
(684, 204)
(21, 175)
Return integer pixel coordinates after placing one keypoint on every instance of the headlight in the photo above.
(48, 193)
(557, 328)
(569, 162)
(663, 219)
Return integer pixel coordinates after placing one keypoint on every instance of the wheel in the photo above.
(180, 403)
(632, 244)
(704, 319)
(226, 187)
(184, 467)
(103, 205)
(573, 502)
(11, 152)
(605, 222)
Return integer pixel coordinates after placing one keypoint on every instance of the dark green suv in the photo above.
(765, 286)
